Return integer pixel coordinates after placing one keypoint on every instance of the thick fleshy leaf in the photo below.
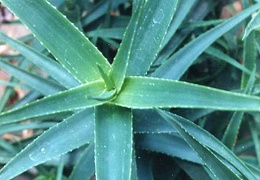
(120, 64)
(211, 161)
(181, 12)
(176, 65)
(213, 144)
(137, 50)
(153, 25)
(85, 167)
(113, 142)
(55, 70)
(144, 92)
(149, 121)
(172, 145)
(72, 49)
(60, 139)
(80, 97)
(38, 83)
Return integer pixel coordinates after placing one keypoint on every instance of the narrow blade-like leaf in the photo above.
(60, 139)
(85, 167)
(176, 65)
(208, 140)
(143, 92)
(254, 24)
(76, 98)
(38, 83)
(113, 142)
(55, 70)
(211, 161)
(72, 49)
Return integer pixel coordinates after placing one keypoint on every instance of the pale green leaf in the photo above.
(113, 142)
(60, 139)
(72, 49)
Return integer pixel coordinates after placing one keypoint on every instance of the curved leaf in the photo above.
(76, 98)
(72, 49)
(176, 65)
(60, 139)
(212, 143)
(55, 70)
(38, 83)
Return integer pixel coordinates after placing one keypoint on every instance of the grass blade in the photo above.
(113, 142)
(60, 139)
(75, 52)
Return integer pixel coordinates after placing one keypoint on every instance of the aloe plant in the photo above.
(118, 115)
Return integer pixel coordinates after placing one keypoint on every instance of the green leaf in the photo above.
(113, 142)
(222, 56)
(209, 141)
(138, 50)
(181, 12)
(176, 65)
(85, 167)
(149, 121)
(153, 25)
(249, 57)
(69, 100)
(211, 161)
(254, 24)
(19, 127)
(232, 130)
(113, 33)
(169, 144)
(60, 139)
(121, 61)
(72, 49)
(255, 135)
(55, 70)
(99, 10)
(144, 92)
(38, 83)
